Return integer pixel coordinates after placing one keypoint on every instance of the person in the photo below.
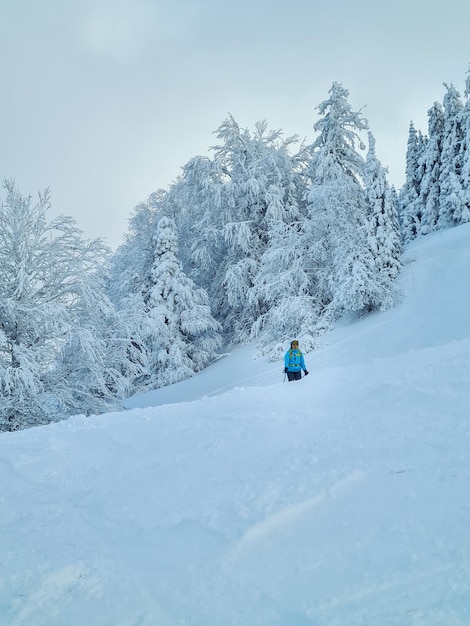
(294, 362)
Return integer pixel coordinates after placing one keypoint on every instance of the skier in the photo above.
(294, 362)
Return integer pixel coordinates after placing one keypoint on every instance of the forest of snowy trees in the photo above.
(436, 193)
(267, 239)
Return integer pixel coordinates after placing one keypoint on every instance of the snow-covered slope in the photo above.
(234, 499)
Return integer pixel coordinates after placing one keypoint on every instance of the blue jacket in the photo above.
(294, 360)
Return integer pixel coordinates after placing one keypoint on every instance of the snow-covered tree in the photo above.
(262, 187)
(451, 200)
(396, 211)
(347, 276)
(410, 204)
(127, 282)
(93, 369)
(382, 217)
(430, 164)
(182, 336)
(200, 197)
(284, 291)
(465, 150)
(137, 271)
(131, 264)
(52, 357)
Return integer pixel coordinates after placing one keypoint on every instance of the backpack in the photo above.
(294, 353)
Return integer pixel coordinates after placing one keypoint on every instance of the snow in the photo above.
(235, 499)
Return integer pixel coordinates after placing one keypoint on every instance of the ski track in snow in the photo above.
(278, 521)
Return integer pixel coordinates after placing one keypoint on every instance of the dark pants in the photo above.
(294, 375)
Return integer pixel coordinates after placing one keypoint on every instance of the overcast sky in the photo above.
(104, 101)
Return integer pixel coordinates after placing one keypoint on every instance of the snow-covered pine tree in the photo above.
(451, 199)
(47, 274)
(465, 149)
(347, 276)
(430, 162)
(382, 217)
(409, 198)
(396, 210)
(131, 281)
(127, 282)
(130, 266)
(183, 336)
